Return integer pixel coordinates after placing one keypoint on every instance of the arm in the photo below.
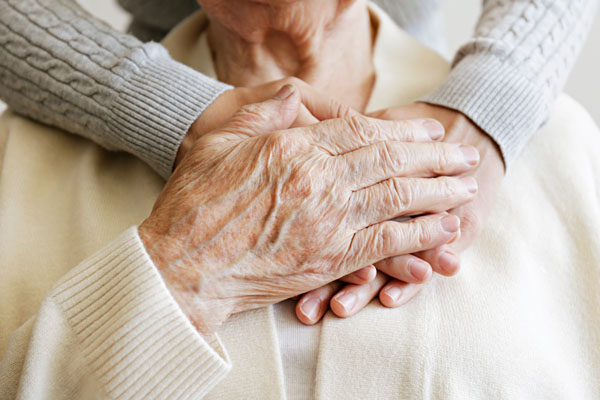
(110, 328)
(506, 77)
(60, 66)
(116, 324)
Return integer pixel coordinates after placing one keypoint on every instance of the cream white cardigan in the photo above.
(522, 319)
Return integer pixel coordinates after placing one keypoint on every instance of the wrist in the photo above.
(219, 111)
(206, 313)
(462, 129)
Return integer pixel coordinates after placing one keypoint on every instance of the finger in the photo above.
(363, 275)
(353, 298)
(443, 260)
(406, 268)
(372, 164)
(397, 293)
(313, 305)
(390, 238)
(277, 113)
(343, 135)
(399, 197)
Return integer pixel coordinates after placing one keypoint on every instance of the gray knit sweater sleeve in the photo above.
(507, 76)
(60, 66)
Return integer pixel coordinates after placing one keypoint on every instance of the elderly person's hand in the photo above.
(254, 215)
(315, 107)
(489, 174)
(395, 282)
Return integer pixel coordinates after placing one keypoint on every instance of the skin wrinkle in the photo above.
(247, 220)
(202, 221)
(216, 241)
(254, 44)
(240, 270)
(213, 242)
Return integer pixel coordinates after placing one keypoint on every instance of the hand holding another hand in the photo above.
(395, 273)
(314, 108)
(255, 214)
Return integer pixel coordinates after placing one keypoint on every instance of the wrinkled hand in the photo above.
(254, 214)
(315, 107)
(400, 278)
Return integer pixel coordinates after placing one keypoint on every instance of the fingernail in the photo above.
(470, 183)
(434, 128)
(285, 92)
(394, 293)
(448, 262)
(470, 154)
(418, 269)
(309, 309)
(347, 300)
(365, 273)
(456, 237)
(451, 223)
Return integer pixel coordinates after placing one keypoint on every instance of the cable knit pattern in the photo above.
(507, 76)
(60, 66)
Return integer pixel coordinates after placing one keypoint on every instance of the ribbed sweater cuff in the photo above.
(498, 97)
(132, 332)
(158, 102)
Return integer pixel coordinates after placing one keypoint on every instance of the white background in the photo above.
(583, 84)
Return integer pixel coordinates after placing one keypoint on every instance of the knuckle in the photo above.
(361, 127)
(385, 155)
(403, 193)
(449, 187)
(394, 156)
(386, 238)
(279, 144)
(406, 130)
(305, 178)
(443, 159)
(423, 234)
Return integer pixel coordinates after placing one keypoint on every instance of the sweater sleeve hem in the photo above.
(133, 334)
(157, 104)
(497, 97)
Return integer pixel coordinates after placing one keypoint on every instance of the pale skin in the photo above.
(304, 39)
(395, 274)
(255, 214)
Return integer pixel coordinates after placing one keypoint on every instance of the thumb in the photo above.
(275, 114)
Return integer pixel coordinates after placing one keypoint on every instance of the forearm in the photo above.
(60, 66)
(507, 76)
(110, 327)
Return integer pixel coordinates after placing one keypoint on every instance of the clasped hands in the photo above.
(256, 213)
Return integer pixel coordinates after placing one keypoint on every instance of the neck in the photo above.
(327, 45)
